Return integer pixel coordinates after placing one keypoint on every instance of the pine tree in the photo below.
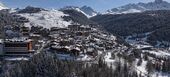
(145, 56)
(139, 62)
(149, 67)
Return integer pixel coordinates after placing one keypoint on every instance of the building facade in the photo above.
(17, 47)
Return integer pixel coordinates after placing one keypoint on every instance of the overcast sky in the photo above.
(99, 5)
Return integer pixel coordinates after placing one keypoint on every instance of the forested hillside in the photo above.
(77, 17)
(136, 23)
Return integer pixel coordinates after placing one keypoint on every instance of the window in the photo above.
(15, 44)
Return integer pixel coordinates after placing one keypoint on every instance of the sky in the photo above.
(98, 5)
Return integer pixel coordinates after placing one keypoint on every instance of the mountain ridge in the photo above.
(86, 10)
(2, 6)
(140, 7)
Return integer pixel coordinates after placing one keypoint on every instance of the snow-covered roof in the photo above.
(21, 39)
(1, 40)
(16, 58)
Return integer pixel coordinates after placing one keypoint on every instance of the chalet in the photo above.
(25, 31)
(17, 47)
(91, 51)
(85, 28)
(75, 52)
(35, 35)
(93, 25)
(74, 27)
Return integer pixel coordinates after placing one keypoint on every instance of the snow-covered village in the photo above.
(46, 39)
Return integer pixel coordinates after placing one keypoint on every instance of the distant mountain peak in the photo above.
(69, 7)
(140, 7)
(87, 7)
(88, 10)
(158, 1)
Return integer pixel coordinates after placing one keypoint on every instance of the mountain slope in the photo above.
(130, 8)
(76, 17)
(30, 9)
(156, 22)
(87, 11)
(53, 18)
(44, 18)
(2, 6)
(140, 7)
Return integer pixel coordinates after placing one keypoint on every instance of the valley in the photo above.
(128, 41)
